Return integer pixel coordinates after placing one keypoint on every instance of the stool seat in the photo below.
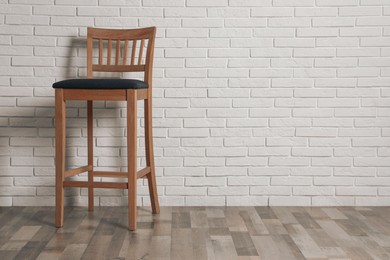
(101, 83)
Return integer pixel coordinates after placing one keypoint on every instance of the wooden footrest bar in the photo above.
(115, 185)
(85, 184)
(140, 174)
(110, 174)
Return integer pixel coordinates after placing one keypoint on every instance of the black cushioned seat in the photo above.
(102, 83)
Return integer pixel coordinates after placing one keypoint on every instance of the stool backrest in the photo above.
(121, 50)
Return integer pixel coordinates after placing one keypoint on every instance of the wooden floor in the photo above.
(198, 233)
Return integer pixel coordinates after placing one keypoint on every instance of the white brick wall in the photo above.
(256, 102)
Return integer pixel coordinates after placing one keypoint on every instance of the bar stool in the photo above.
(129, 90)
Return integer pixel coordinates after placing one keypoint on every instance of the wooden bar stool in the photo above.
(116, 59)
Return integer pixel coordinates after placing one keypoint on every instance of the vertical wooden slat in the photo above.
(141, 50)
(132, 156)
(126, 47)
(60, 116)
(133, 52)
(100, 51)
(89, 56)
(117, 54)
(109, 52)
(90, 153)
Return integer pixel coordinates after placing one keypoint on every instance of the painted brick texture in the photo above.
(268, 102)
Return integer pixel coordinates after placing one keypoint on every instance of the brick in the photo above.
(333, 162)
(245, 23)
(224, 171)
(142, 12)
(317, 52)
(204, 182)
(32, 61)
(354, 152)
(207, 3)
(21, 30)
(178, 171)
(184, 152)
(337, 3)
(34, 41)
(329, 142)
(202, 142)
(15, 9)
(337, 42)
(248, 181)
(294, 42)
(258, 83)
(251, 43)
(333, 22)
(271, 190)
(274, 32)
(289, 201)
(163, 3)
(230, 33)
(271, 11)
(269, 151)
(252, 102)
(183, 12)
(313, 191)
(337, 181)
(289, 22)
(213, 161)
(207, 23)
(255, 161)
(358, 52)
(311, 171)
(208, 43)
(292, 83)
(228, 191)
(207, 123)
(228, 53)
(228, 12)
(72, 21)
(373, 31)
(268, 52)
(174, 132)
(232, 132)
(24, 20)
(231, 92)
(316, 11)
(173, 190)
(54, 10)
(16, 171)
(236, 122)
(250, 3)
(287, 181)
(247, 200)
(289, 161)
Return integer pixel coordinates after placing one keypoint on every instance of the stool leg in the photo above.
(150, 155)
(90, 153)
(132, 156)
(60, 117)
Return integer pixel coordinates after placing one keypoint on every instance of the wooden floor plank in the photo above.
(299, 233)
